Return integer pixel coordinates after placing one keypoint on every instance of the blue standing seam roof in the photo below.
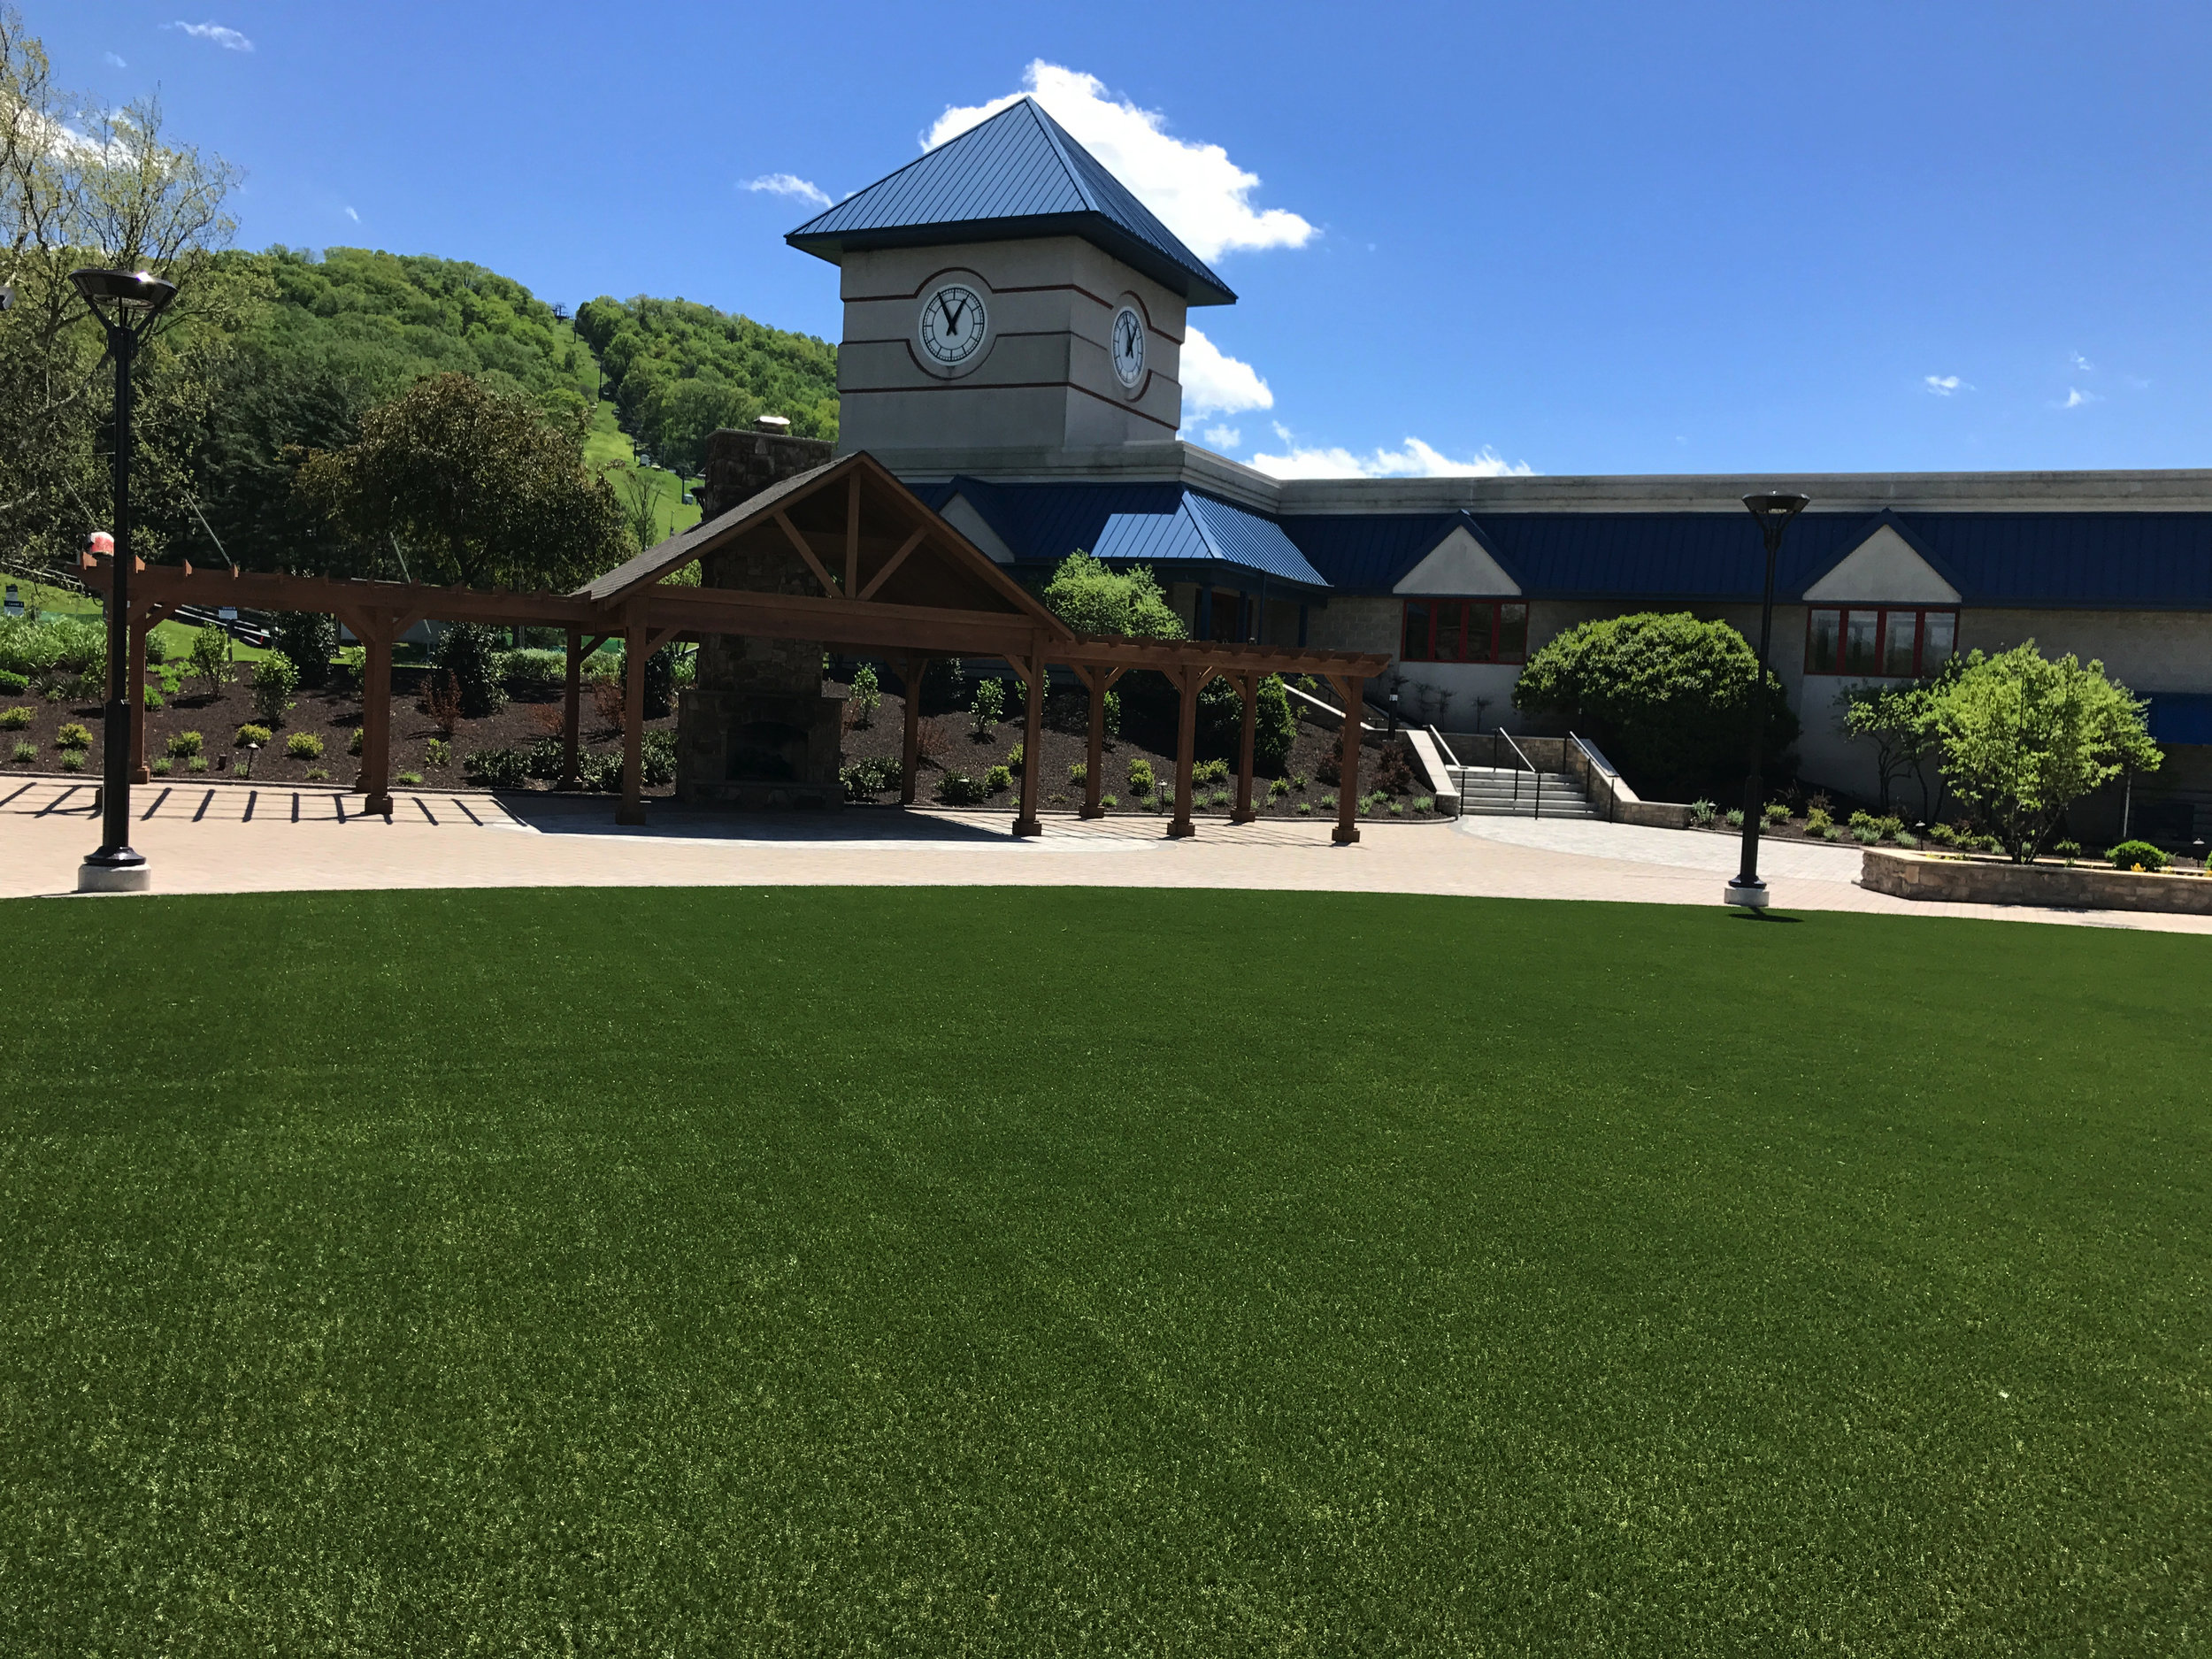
(1018, 174)
(2181, 716)
(1155, 524)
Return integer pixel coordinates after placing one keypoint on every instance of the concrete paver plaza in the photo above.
(240, 838)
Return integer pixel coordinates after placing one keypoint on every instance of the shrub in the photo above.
(863, 696)
(1091, 598)
(149, 697)
(1080, 772)
(26, 751)
(72, 736)
(210, 658)
(353, 743)
(436, 752)
(997, 778)
(1942, 835)
(1014, 760)
(252, 734)
(1109, 800)
(275, 680)
(531, 667)
(1397, 809)
(1278, 788)
(2068, 850)
(1817, 821)
(542, 759)
(13, 685)
(657, 760)
(956, 789)
(186, 743)
(348, 673)
(159, 765)
(1865, 834)
(1777, 811)
(1735, 817)
(1113, 714)
(198, 763)
(1221, 720)
(156, 649)
(319, 774)
(1832, 833)
(2136, 856)
(1305, 808)
(983, 713)
(467, 659)
(1328, 804)
(307, 640)
(871, 775)
(1208, 771)
(304, 746)
(71, 760)
(498, 768)
(15, 719)
(1300, 782)
(1424, 803)
(1671, 697)
(1906, 839)
(409, 778)
(1701, 813)
(1139, 776)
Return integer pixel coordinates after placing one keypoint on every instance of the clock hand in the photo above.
(952, 315)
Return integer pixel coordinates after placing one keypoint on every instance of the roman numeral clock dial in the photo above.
(1128, 346)
(953, 324)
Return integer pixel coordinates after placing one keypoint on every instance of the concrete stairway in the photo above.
(1489, 792)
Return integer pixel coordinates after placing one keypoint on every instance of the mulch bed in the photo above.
(332, 717)
(1145, 736)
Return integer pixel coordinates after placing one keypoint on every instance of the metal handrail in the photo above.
(1594, 763)
(1539, 810)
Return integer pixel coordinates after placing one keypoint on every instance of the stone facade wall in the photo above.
(741, 465)
(2054, 887)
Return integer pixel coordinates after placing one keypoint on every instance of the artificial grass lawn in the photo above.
(944, 1270)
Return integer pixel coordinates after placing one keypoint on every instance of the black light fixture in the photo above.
(1774, 510)
(126, 302)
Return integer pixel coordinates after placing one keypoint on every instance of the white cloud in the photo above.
(2081, 363)
(1215, 383)
(354, 217)
(1415, 460)
(229, 40)
(114, 59)
(1224, 437)
(1944, 385)
(1198, 192)
(791, 185)
(2076, 397)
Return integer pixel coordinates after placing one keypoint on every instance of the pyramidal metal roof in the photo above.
(1015, 176)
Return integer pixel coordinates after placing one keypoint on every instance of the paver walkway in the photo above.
(239, 838)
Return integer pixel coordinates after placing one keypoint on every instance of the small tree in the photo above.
(1092, 598)
(1221, 715)
(309, 639)
(465, 660)
(1900, 722)
(863, 696)
(211, 659)
(990, 700)
(275, 680)
(2024, 738)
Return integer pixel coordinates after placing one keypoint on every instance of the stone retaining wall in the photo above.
(2054, 886)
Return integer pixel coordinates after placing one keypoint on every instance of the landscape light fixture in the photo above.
(126, 302)
(1774, 510)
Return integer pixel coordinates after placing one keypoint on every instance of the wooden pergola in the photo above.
(857, 561)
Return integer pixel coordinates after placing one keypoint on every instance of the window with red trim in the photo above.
(1881, 643)
(1464, 631)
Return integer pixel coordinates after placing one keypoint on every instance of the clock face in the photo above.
(953, 321)
(1128, 346)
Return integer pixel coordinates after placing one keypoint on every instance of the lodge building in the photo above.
(1013, 320)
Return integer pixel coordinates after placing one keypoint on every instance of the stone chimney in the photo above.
(741, 465)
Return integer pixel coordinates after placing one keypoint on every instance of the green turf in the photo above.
(1057, 1271)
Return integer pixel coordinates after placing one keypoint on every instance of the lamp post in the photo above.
(126, 303)
(1774, 510)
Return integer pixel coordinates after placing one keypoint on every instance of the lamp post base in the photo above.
(98, 875)
(1752, 895)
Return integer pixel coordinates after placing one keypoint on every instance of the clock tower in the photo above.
(1006, 297)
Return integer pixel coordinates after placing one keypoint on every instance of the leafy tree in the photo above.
(275, 680)
(1898, 722)
(863, 696)
(211, 659)
(990, 702)
(648, 347)
(2025, 737)
(484, 488)
(678, 417)
(1221, 722)
(1091, 597)
(310, 640)
(466, 660)
(1670, 696)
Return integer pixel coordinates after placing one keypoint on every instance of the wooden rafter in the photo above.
(895, 560)
(821, 570)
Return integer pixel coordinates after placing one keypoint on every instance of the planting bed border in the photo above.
(1955, 880)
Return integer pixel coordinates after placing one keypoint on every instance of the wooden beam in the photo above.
(632, 810)
(910, 671)
(1251, 687)
(572, 710)
(852, 534)
(375, 779)
(1033, 673)
(1188, 681)
(821, 570)
(1347, 767)
(895, 560)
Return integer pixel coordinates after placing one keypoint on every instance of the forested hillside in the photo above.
(679, 370)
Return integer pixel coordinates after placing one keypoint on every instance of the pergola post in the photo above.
(1032, 740)
(375, 779)
(1101, 681)
(910, 671)
(1249, 687)
(1347, 765)
(571, 709)
(632, 810)
(1188, 681)
(141, 623)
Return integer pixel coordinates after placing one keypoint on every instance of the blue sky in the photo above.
(1572, 238)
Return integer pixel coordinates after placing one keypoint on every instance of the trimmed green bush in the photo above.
(863, 696)
(956, 789)
(1140, 777)
(1735, 817)
(2136, 856)
(12, 684)
(436, 752)
(25, 752)
(319, 774)
(275, 680)
(997, 778)
(251, 734)
(1701, 813)
(304, 746)
(184, 744)
(160, 766)
(150, 698)
(1777, 811)
(411, 778)
(211, 659)
(533, 668)
(983, 713)
(467, 657)
(2068, 850)
(307, 640)
(1014, 760)
(498, 768)
(17, 719)
(1109, 800)
(1206, 771)
(1080, 772)
(197, 763)
(71, 760)
(72, 736)
(871, 775)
